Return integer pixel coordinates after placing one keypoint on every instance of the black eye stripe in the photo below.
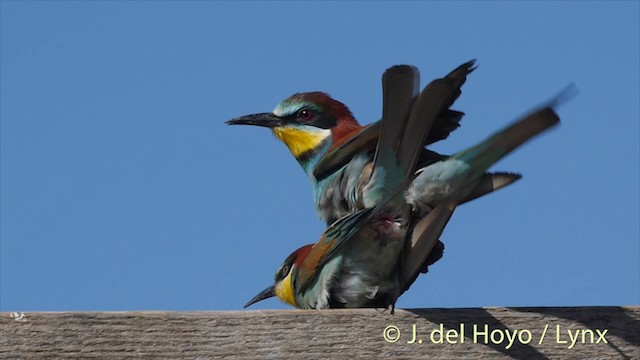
(312, 116)
(283, 272)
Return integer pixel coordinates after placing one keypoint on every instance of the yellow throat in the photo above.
(300, 140)
(284, 291)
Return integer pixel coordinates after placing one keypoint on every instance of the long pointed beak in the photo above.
(264, 119)
(264, 294)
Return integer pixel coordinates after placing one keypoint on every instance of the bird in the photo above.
(337, 153)
(358, 261)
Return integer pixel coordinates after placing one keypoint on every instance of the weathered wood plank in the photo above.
(326, 334)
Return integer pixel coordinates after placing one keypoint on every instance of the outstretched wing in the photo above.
(441, 126)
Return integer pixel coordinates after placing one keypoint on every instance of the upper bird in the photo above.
(338, 153)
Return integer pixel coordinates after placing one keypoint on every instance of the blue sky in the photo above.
(123, 189)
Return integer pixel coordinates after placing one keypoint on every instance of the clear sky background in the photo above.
(123, 189)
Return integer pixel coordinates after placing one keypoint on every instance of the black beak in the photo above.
(265, 119)
(264, 294)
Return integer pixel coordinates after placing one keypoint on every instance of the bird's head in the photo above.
(305, 122)
(284, 287)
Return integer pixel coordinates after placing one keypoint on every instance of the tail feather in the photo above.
(513, 136)
(399, 87)
(458, 77)
(490, 183)
(444, 125)
(433, 101)
(424, 237)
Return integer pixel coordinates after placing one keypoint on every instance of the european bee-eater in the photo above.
(337, 152)
(358, 262)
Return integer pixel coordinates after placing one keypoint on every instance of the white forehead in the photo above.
(286, 108)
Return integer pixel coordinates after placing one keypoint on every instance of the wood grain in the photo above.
(330, 334)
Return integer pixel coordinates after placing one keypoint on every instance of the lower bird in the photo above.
(362, 260)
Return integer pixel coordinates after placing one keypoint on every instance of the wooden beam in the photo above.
(479, 333)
